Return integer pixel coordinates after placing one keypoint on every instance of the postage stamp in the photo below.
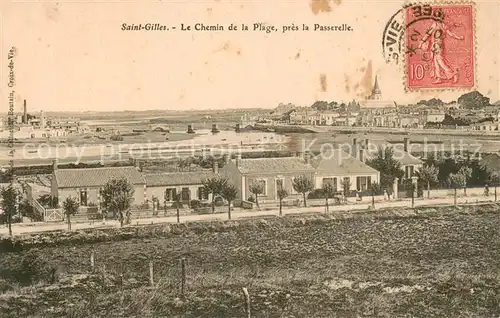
(435, 43)
(440, 46)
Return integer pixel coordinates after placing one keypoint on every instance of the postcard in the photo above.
(215, 158)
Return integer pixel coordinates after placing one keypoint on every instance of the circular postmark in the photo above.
(392, 38)
(393, 42)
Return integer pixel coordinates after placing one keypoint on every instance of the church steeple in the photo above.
(376, 92)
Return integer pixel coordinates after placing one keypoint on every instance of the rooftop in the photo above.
(178, 178)
(96, 177)
(274, 165)
(491, 163)
(339, 162)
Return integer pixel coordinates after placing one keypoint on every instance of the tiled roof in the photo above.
(340, 163)
(409, 159)
(274, 165)
(403, 157)
(178, 178)
(96, 177)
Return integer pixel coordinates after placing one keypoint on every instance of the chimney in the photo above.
(307, 157)
(214, 129)
(42, 119)
(54, 165)
(362, 155)
(215, 166)
(25, 113)
(238, 159)
(138, 165)
(406, 144)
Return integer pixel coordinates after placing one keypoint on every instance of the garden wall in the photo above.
(471, 192)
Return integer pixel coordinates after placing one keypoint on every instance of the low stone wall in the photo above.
(471, 192)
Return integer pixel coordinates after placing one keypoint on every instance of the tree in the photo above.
(230, 193)
(495, 180)
(374, 188)
(257, 188)
(389, 168)
(47, 201)
(346, 187)
(467, 173)
(303, 184)
(117, 197)
(9, 201)
(184, 163)
(70, 207)
(214, 186)
(473, 100)
(178, 204)
(456, 180)
(328, 192)
(282, 193)
(27, 210)
(429, 175)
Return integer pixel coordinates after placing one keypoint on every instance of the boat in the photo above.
(270, 130)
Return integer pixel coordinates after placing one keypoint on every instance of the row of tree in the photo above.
(443, 171)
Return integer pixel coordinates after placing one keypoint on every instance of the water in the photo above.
(203, 139)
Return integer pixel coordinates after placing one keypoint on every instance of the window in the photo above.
(279, 184)
(363, 183)
(264, 185)
(185, 194)
(83, 197)
(170, 194)
(332, 181)
(202, 193)
(409, 171)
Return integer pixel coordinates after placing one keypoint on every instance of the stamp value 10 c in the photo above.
(440, 44)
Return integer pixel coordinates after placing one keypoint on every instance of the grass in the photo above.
(436, 264)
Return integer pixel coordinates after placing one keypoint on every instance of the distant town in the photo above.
(471, 111)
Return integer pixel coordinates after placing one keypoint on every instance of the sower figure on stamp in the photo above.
(434, 41)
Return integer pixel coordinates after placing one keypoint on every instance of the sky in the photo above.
(73, 55)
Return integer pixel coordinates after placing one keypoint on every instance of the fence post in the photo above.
(247, 302)
(92, 263)
(151, 273)
(183, 277)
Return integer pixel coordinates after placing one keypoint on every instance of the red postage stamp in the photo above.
(440, 46)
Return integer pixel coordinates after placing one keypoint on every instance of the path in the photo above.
(18, 229)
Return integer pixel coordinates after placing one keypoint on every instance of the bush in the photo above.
(116, 138)
(194, 204)
(34, 268)
(251, 199)
(316, 194)
(28, 211)
(219, 201)
(5, 286)
(177, 205)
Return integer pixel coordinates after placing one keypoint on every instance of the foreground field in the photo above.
(437, 262)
